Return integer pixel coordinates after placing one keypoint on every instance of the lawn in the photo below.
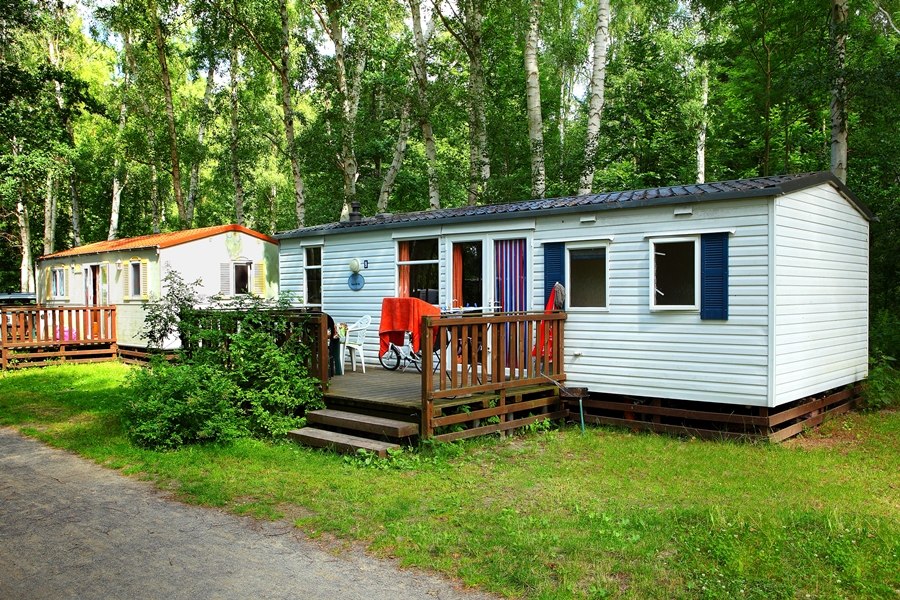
(551, 514)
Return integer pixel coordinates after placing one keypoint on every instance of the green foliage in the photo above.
(162, 315)
(882, 388)
(173, 405)
(256, 350)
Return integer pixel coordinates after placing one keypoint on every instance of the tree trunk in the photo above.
(155, 207)
(26, 270)
(701, 127)
(421, 74)
(117, 186)
(399, 152)
(201, 136)
(471, 42)
(533, 102)
(839, 91)
(170, 113)
(287, 108)
(598, 95)
(53, 55)
(235, 165)
(349, 91)
(273, 197)
(49, 216)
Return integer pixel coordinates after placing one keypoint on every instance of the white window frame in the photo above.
(241, 263)
(58, 280)
(306, 268)
(695, 307)
(400, 263)
(586, 245)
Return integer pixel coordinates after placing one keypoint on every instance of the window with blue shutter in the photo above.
(714, 276)
(554, 266)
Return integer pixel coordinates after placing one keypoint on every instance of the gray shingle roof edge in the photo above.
(756, 187)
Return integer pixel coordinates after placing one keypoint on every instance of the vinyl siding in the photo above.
(338, 300)
(630, 350)
(821, 294)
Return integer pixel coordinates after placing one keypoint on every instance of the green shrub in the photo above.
(882, 387)
(275, 385)
(173, 405)
(884, 333)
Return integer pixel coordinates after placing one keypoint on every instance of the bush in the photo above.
(882, 387)
(244, 373)
(173, 405)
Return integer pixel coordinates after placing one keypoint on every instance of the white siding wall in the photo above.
(629, 350)
(821, 294)
(338, 300)
(201, 259)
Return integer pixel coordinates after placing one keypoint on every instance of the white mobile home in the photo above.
(750, 292)
(228, 260)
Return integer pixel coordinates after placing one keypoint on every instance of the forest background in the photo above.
(123, 118)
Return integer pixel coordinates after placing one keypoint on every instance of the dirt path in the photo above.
(72, 529)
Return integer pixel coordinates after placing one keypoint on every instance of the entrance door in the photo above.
(510, 271)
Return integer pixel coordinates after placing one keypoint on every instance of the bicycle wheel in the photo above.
(416, 358)
(390, 360)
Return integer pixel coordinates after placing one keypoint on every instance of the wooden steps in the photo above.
(365, 423)
(341, 442)
(328, 429)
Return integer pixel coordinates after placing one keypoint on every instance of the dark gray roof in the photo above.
(755, 187)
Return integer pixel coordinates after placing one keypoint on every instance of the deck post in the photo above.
(426, 352)
(324, 348)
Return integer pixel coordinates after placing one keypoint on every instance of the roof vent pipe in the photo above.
(355, 215)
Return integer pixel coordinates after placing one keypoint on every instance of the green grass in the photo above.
(607, 514)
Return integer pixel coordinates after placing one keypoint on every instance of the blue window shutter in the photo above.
(714, 276)
(554, 267)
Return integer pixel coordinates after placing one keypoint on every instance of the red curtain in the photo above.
(456, 298)
(403, 270)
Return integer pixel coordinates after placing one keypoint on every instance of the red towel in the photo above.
(399, 315)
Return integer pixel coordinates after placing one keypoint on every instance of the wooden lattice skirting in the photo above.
(16, 358)
(715, 421)
(136, 355)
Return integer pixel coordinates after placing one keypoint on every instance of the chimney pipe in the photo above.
(355, 215)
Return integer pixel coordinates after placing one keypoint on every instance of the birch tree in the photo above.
(839, 89)
(184, 213)
(533, 102)
(424, 107)
(349, 82)
(597, 96)
(467, 29)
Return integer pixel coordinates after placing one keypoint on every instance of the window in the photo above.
(135, 278)
(312, 270)
(241, 278)
(58, 282)
(675, 268)
(587, 276)
(417, 268)
(691, 273)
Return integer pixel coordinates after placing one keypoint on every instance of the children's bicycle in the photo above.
(397, 356)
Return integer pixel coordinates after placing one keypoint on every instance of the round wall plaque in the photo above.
(356, 282)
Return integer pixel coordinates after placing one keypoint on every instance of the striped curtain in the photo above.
(511, 287)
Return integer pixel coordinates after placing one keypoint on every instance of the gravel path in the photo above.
(72, 529)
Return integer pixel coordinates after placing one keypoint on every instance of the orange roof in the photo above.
(158, 240)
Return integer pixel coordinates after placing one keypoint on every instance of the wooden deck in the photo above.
(396, 393)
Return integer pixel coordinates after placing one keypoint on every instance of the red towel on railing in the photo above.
(399, 315)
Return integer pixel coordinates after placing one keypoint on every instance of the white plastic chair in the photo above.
(356, 337)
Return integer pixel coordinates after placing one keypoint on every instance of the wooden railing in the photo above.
(34, 335)
(209, 329)
(494, 354)
(31, 326)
